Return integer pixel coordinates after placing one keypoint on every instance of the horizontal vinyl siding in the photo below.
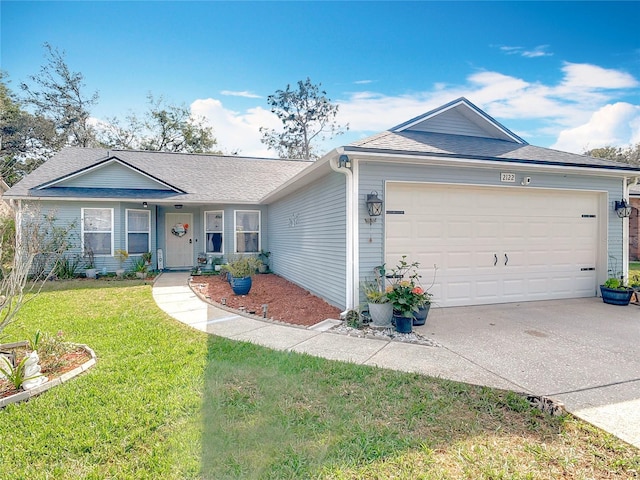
(67, 213)
(112, 175)
(307, 238)
(451, 122)
(373, 176)
(199, 236)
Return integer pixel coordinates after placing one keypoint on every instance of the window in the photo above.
(138, 231)
(97, 230)
(214, 230)
(247, 227)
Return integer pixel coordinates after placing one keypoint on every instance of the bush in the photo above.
(243, 266)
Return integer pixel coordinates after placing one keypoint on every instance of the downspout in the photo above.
(350, 240)
(631, 182)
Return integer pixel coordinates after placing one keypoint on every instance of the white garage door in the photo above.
(494, 245)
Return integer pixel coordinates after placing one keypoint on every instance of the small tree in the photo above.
(164, 127)
(630, 154)
(307, 115)
(57, 94)
(27, 259)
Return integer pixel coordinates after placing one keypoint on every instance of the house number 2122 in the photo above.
(508, 177)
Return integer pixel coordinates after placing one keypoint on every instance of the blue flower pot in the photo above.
(241, 286)
(614, 296)
(420, 317)
(403, 324)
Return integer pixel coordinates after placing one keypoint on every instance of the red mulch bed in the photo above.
(70, 361)
(286, 302)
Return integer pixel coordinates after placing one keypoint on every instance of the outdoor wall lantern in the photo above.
(178, 207)
(622, 208)
(145, 205)
(374, 204)
(344, 161)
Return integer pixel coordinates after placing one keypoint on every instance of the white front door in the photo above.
(495, 245)
(179, 240)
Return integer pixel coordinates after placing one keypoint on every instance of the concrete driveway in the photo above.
(582, 352)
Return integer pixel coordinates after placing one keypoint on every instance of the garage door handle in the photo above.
(506, 259)
(495, 259)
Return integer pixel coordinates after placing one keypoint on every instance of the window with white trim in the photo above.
(247, 230)
(97, 230)
(214, 231)
(138, 226)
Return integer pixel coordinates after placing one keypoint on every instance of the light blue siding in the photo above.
(451, 122)
(307, 238)
(69, 213)
(113, 175)
(199, 236)
(373, 176)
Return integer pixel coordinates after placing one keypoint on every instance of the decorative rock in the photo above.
(32, 372)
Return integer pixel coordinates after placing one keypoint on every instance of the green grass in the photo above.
(164, 401)
(634, 269)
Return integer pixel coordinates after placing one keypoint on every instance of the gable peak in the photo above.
(459, 117)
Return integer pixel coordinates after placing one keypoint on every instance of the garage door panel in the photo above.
(546, 246)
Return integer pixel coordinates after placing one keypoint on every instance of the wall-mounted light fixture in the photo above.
(145, 205)
(622, 208)
(374, 204)
(344, 161)
(178, 207)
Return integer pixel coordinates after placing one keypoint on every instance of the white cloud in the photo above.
(243, 93)
(363, 82)
(237, 131)
(578, 110)
(539, 51)
(615, 124)
(585, 76)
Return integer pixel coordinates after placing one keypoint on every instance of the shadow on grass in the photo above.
(270, 414)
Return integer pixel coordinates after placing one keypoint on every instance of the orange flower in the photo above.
(186, 225)
(417, 290)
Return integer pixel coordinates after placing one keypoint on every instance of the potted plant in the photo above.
(146, 257)
(90, 263)
(615, 292)
(140, 268)
(122, 256)
(380, 309)
(264, 258)
(216, 263)
(242, 268)
(406, 296)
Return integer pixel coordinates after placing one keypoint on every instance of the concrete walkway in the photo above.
(561, 349)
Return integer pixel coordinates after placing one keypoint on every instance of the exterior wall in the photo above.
(199, 236)
(373, 175)
(451, 122)
(68, 213)
(307, 238)
(634, 229)
(113, 175)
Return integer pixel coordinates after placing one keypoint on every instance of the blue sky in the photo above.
(560, 75)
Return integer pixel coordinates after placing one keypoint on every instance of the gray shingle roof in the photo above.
(458, 146)
(204, 178)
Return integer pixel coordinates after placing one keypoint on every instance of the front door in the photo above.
(179, 240)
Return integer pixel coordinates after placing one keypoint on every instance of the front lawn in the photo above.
(634, 269)
(165, 401)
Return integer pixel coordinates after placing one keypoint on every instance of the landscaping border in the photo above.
(65, 377)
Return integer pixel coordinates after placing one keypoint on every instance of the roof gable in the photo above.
(110, 173)
(77, 173)
(460, 117)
